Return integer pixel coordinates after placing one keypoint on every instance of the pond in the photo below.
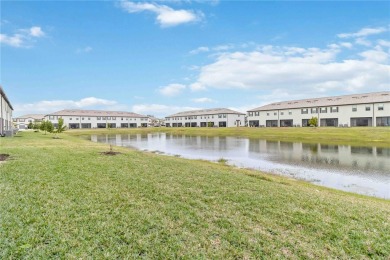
(363, 170)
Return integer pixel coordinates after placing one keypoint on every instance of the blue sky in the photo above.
(161, 57)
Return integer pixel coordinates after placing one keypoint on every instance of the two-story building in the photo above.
(22, 122)
(218, 117)
(6, 113)
(370, 109)
(75, 118)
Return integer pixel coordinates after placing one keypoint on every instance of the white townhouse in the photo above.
(74, 119)
(220, 117)
(6, 113)
(22, 122)
(370, 109)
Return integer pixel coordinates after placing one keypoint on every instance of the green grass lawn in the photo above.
(63, 199)
(357, 136)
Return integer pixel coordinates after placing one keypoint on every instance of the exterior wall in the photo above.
(5, 115)
(22, 123)
(343, 115)
(204, 120)
(72, 121)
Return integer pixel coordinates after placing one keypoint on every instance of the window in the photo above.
(77, 119)
(314, 110)
(89, 118)
(257, 113)
(82, 118)
(250, 113)
(267, 114)
(220, 116)
(354, 108)
(290, 112)
(368, 108)
(70, 118)
(380, 106)
(113, 118)
(104, 118)
(99, 118)
(275, 113)
(323, 110)
(334, 109)
(281, 113)
(304, 111)
(109, 118)
(21, 120)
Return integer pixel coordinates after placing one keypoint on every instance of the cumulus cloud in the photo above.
(22, 38)
(203, 100)
(159, 110)
(172, 90)
(166, 16)
(36, 31)
(294, 69)
(50, 106)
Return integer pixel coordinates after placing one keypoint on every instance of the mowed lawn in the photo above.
(60, 198)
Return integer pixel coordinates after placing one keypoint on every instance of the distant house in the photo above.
(6, 113)
(154, 121)
(370, 109)
(22, 122)
(75, 118)
(214, 117)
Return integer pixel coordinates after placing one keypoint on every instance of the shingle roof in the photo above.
(78, 112)
(2, 93)
(34, 116)
(211, 111)
(376, 97)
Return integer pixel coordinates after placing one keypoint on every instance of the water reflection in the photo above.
(363, 170)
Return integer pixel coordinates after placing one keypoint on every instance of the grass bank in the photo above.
(357, 136)
(63, 199)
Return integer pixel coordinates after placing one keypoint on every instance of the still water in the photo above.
(364, 170)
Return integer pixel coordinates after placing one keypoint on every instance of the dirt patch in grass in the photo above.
(110, 153)
(3, 157)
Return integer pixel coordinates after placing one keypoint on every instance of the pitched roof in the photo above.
(376, 97)
(34, 116)
(79, 112)
(211, 111)
(2, 93)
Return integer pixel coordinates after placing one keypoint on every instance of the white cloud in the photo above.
(23, 37)
(50, 106)
(384, 43)
(199, 50)
(293, 70)
(172, 90)
(203, 100)
(197, 86)
(159, 110)
(166, 16)
(363, 41)
(36, 31)
(16, 40)
(375, 55)
(364, 32)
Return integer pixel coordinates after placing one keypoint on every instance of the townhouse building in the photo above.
(370, 109)
(22, 122)
(5, 113)
(214, 117)
(75, 119)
